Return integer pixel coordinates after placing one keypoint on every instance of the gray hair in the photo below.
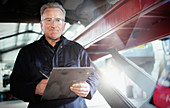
(52, 5)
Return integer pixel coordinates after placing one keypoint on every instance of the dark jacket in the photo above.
(40, 56)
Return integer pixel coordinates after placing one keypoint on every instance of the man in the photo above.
(52, 50)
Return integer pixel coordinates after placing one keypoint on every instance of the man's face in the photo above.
(53, 23)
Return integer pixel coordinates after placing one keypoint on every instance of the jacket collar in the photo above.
(43, 41)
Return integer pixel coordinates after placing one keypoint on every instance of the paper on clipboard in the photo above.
(60, 80)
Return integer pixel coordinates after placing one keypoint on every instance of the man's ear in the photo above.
(41, 25)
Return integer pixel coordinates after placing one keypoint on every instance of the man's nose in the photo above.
(53, 23)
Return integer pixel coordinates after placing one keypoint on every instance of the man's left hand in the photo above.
(81, 89)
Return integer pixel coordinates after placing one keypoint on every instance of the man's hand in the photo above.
(81, 89)
(41, 87)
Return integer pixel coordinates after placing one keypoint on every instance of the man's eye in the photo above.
(49, 20)
(59, 20)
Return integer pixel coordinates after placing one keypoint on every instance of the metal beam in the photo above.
(113, 97)
(28, 31)
(98, 51)
(135, 73)
(11, 49)
(0, 57)
(117, 18)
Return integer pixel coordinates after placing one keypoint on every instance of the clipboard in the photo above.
(60, 80)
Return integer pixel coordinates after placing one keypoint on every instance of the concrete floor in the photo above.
(13, 104)
(97, 102)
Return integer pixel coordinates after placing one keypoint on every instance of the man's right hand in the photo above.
(41, 87)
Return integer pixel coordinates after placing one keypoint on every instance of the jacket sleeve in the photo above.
(20, 86)
(93, 78)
